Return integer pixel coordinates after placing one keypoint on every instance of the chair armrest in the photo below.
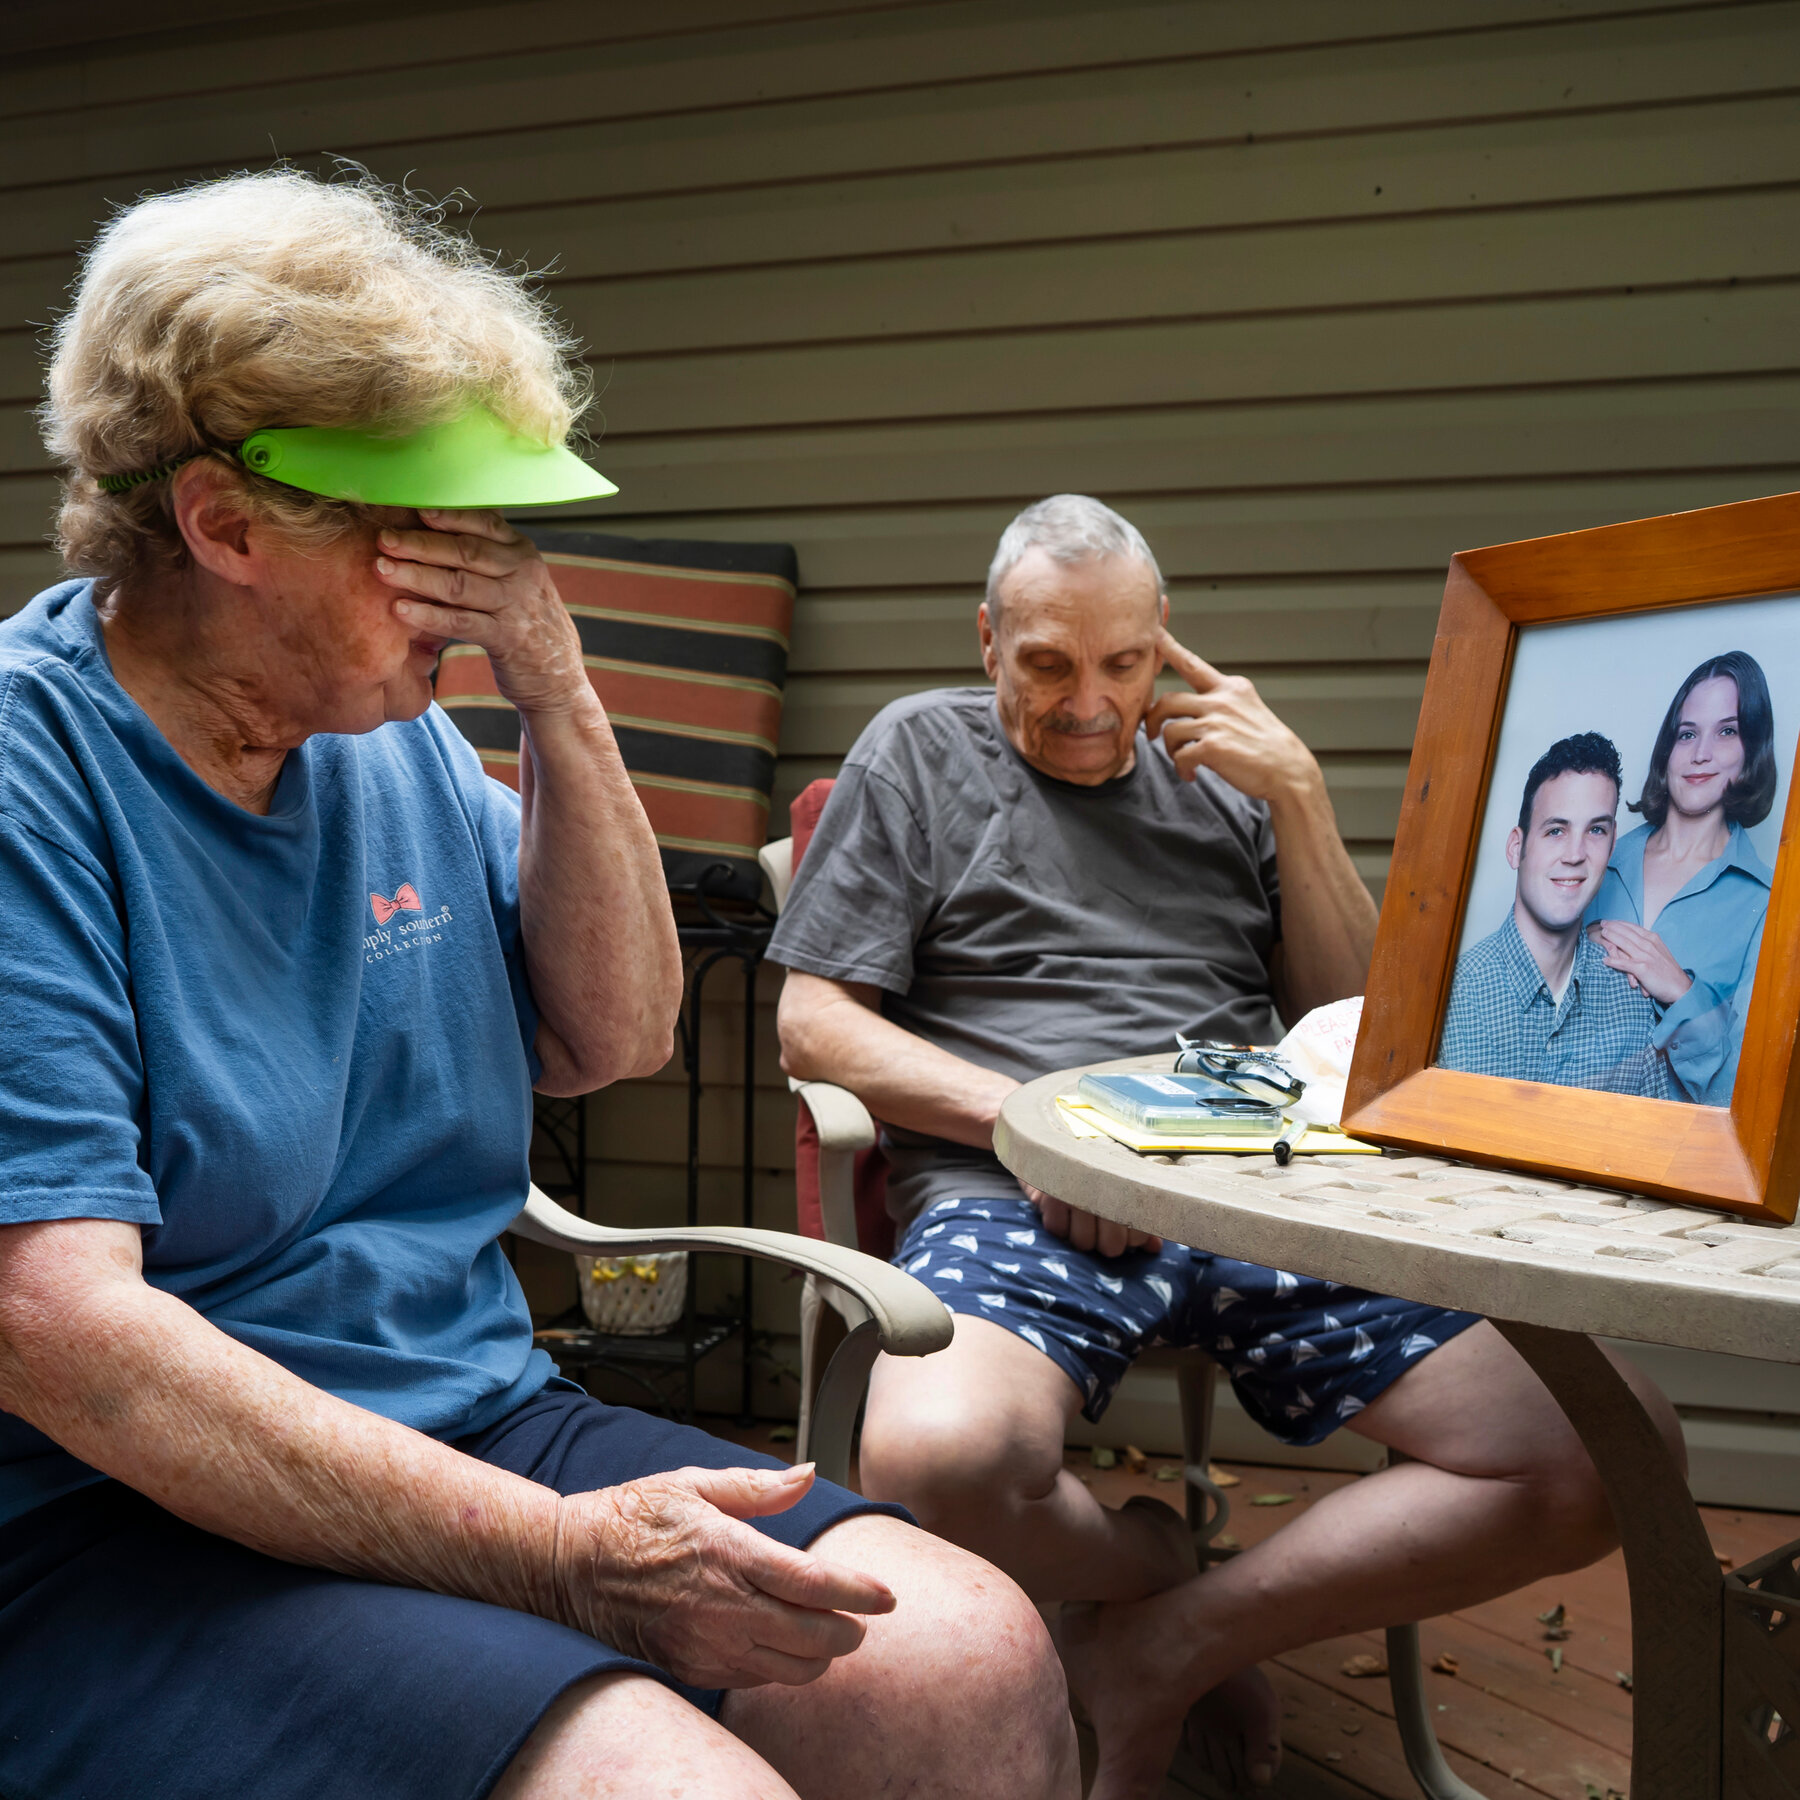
(841, 1120)
(844, 1127)
(910, 1319)
(777, 861)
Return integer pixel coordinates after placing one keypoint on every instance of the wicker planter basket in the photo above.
(633, 1296)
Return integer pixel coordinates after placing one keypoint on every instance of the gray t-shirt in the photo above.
(1029, 924)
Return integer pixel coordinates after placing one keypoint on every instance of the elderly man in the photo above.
(1068, 869)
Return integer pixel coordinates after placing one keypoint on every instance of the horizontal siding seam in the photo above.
(866, 90)
(59, 55)
(1219, 316)
(1140, 153)
(1001, 247)
(369, 147)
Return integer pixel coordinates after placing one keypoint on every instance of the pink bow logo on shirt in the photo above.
(406, 899)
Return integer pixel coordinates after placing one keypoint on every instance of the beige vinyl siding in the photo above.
(1317, 295)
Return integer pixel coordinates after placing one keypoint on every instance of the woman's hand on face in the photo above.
(470, 576)
(1086, 1231)
(664, 1569)
(1644, 957)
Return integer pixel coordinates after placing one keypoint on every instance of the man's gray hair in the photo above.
(1070, 529)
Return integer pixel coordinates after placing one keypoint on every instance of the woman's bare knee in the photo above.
(959, 1688)
(628, 1737)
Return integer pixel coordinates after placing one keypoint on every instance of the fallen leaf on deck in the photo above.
(783, 1434)
(1168, 1472)
(1272, 1500)
(1351, 1730)
(1334, 1756)
(1222, 1478)
(1103, 1458)
(1555, 1655)
(1557, 1634)
(1555, 1616)
(1446, 1664)
(1361, 1666)
(1623, 1678)
(1135, 1460)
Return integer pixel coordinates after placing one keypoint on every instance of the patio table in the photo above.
(1716, 1655)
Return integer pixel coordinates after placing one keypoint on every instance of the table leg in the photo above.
(1676, 1585)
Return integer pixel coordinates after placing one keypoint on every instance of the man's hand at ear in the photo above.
(1327, 916)
(1224, 725)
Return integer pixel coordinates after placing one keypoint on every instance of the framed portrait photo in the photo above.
(1588, 962)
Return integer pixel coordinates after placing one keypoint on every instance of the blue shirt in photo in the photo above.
(293, 1049)
(1503, 1020)
(1713, 928)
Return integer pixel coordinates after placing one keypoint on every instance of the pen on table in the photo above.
(1284, 1145)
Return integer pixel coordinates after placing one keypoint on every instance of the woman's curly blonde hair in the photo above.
(276, 299)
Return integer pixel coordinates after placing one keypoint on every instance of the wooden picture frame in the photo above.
(1745, 1159)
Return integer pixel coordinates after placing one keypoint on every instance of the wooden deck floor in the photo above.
(1513, 1726)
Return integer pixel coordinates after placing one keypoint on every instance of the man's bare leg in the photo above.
(971, 1439)
(1501, 1492)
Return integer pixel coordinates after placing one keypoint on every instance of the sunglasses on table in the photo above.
(1251, 1071)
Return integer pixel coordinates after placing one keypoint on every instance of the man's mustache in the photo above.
(1070, 726)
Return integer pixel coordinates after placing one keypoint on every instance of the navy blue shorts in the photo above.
(1303, 1355)
(140, 1656)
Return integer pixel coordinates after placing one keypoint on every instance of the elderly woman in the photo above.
(289, 1504)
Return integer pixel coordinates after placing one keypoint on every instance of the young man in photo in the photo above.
(1536, 1000)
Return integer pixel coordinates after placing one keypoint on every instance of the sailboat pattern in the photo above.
(1303, 1354)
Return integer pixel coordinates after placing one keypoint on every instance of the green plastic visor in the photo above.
(473, 462)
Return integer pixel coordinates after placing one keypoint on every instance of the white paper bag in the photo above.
(1318, 1050)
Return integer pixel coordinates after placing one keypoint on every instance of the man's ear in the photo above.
(1515, 848)
(214, 521)
(990, 651)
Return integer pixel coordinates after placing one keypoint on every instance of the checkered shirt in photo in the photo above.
(1504, 1021)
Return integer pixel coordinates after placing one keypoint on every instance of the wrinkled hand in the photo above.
(1224, 725)
(1085, 1230)
(470, 576)
(1642, 956)
(663, 1569)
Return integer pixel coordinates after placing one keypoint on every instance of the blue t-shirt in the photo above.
(294, 1049)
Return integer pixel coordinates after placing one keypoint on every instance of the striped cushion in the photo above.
(686, 644)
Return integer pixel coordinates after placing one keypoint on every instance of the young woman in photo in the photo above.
(1682, 905)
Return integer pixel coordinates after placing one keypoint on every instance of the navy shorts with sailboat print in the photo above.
(1303, 1355)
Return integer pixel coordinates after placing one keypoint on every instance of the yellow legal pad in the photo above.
(1089, 1122)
